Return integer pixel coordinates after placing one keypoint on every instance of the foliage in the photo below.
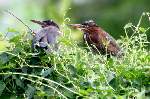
(75, 72)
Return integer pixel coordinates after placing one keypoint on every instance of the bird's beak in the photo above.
(76, 26)
(38, 22)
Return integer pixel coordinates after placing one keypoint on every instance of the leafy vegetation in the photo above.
(73, 71)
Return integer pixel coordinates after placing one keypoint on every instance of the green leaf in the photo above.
(30, 92)
(15, 39)
(19, 83)
(41, 93)
(47, 72)
(2, 87)
(142, 29)
(127, 25)
(3, 58)
(4, 45)
(83, 92)
(11, 30)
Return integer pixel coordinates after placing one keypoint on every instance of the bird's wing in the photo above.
(97, 40)
(40, 34)
(112, 47)
(43, 42)
(53, 33)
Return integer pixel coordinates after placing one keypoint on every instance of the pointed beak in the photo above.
(38, 22)
(76, 26)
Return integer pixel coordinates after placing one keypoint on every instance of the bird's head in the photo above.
(46, 23)
(87, 26)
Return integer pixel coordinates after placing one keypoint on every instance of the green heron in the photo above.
(98, 39)
(46, 37)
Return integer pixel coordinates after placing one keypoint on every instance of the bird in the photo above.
(100, 41)
(46, 36)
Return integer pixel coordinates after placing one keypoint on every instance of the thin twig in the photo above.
(41, 83)
(40, 78)
(19, 20)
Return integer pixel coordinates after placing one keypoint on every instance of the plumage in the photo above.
(98, 39)
(46, 37)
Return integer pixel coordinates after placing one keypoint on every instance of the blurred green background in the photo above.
(111, 15)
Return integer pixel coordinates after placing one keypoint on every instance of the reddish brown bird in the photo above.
(98, 39)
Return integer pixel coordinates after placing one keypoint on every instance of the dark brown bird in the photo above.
(98, 39)
(46, 37)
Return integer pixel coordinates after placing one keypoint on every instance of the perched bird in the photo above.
(46, 37)
(98, 39)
